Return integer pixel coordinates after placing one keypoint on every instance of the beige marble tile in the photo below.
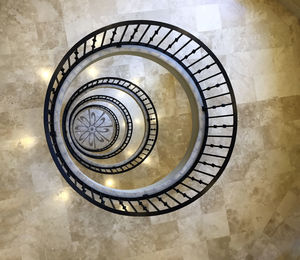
(140, 6)
(232, 13)
(240, 244)
(168, 254)
(244, 89)
(273, 85)
(218, 248)
(288, 204)
(165, 235)
(208, 18)
(191, 229)
(51, 36)
(251, 213)
(4, 46)
(11, 254)
(215, 224)
(74, 16)
(213, 200)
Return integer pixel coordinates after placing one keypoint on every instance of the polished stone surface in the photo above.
(94, 128)
(252, 212)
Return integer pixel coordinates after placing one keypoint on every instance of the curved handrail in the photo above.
(214, 88)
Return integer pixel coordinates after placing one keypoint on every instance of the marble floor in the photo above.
(252, 212)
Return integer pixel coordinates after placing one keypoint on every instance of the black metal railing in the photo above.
(128, 134)
(216, 93)
(150, 117)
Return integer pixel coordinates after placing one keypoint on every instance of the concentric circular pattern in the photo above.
(94, 128)
(127, 135)
(212, 104)
(150, 120)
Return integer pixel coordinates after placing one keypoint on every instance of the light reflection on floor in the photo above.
(251, 213)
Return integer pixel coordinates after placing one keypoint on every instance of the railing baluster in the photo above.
(210, 77)
(198, 60)
(224, 94)
(219, 126)
(94, 42)
(218, 146)
(111, 202)
(84, 48)
(123, 33)
(192, 52)
(221, 116)
(189, 187)
(223, 136)
(144, 33)
(76, 54)
(171, 197)
(154, 206)
(215, 155)
(205, 68)
(92, 193)
(172, 43)
(143, 206)
(222, 105)
(134, 32)
(210, 164)
(114, 32)
(103, 38)
(123, 206)
(154, 34)
(174, 54)
(182, 193)
(102, 200)
(197, 180)
(132, 206)
(168, 33)
(215, 86)
(163, 202)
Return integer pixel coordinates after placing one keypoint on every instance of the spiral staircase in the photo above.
(94, 128)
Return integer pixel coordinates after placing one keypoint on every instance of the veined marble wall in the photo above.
(253, 210)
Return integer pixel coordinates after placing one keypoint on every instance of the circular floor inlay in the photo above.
(94, 128)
